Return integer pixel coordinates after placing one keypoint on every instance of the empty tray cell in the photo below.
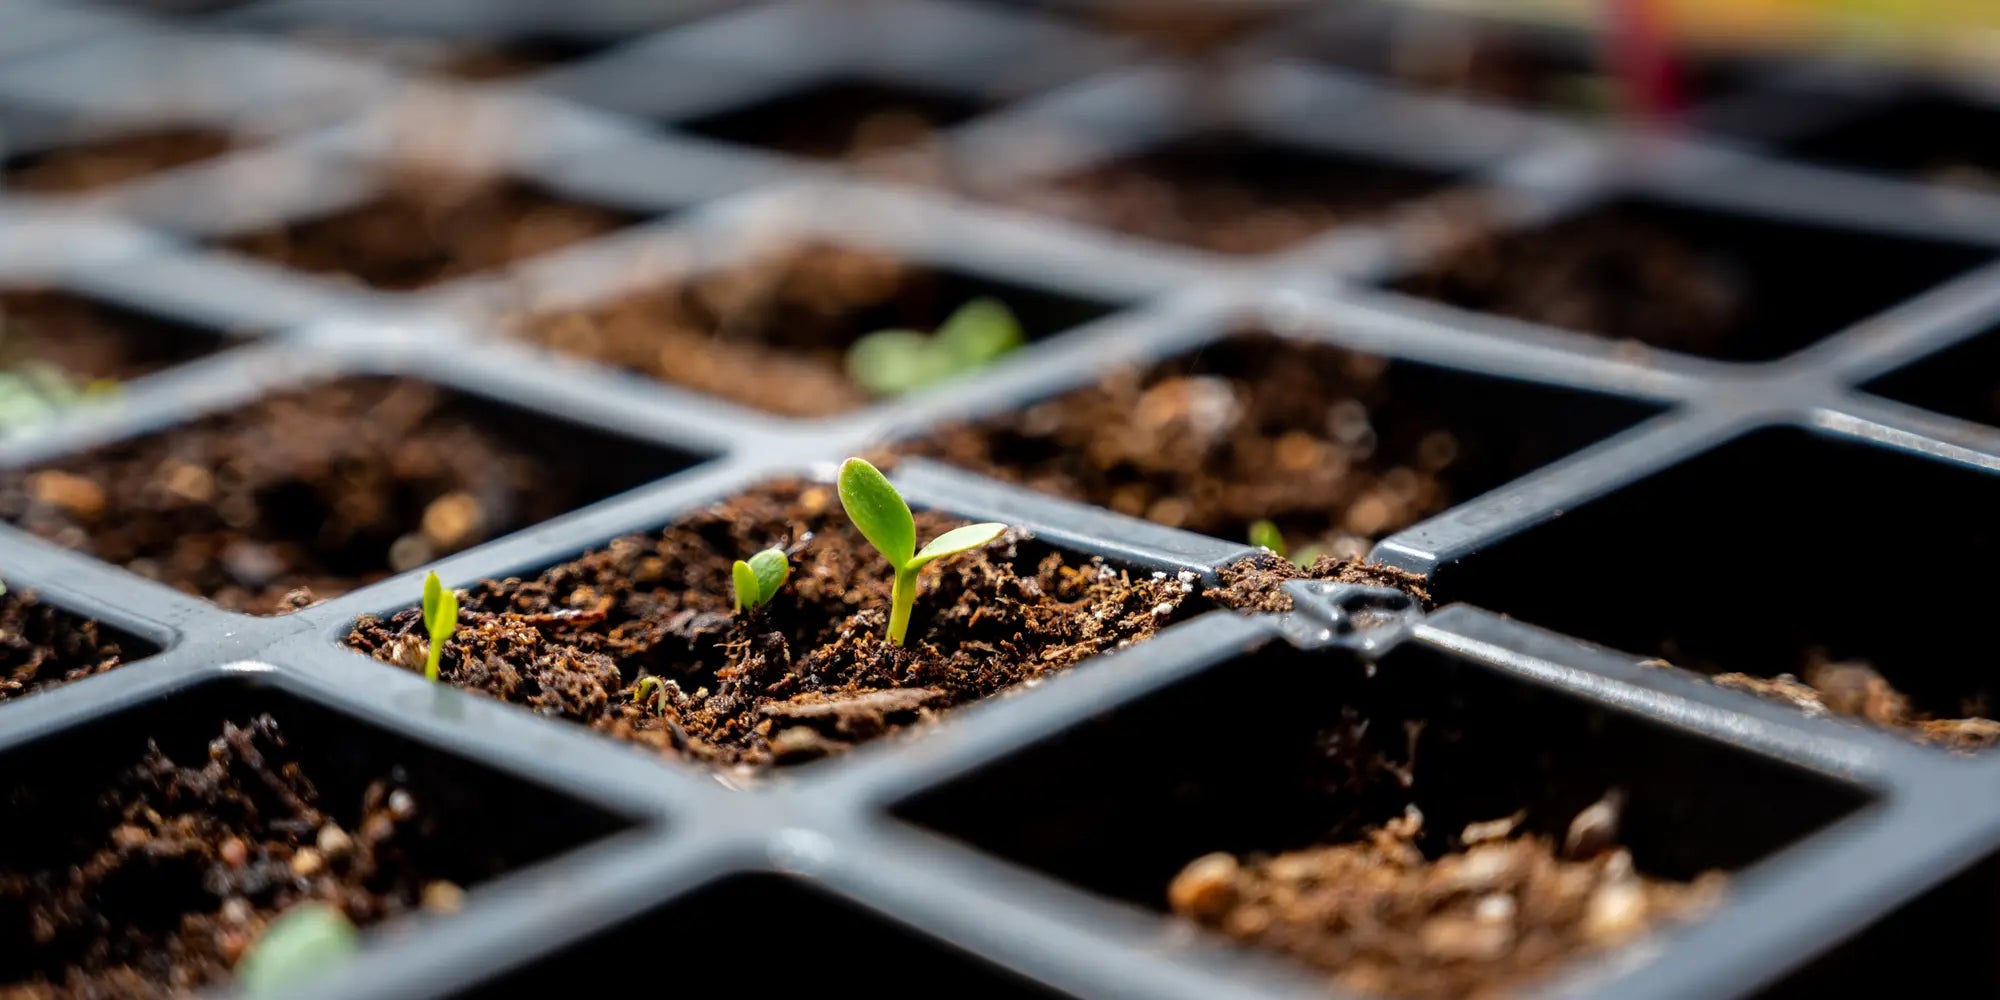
(1229, 193)
(42, 646)
(773, 331)
(1718, 284)
(58, 349)
(307, 494)
(840, 118)
(1928, 137)
(1746, 564)
(1963, 381)
(148, 850)
(517, 57)
(1337, 448)
(639, 640)
(729, 923)
(99, 163)
(424, 229)
(1425, 828)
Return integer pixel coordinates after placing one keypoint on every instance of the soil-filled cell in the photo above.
(840, 119)
(1923, 137)
(78, 167)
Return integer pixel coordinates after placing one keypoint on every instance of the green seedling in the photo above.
(884, 519)
(894, 362)
(758, 579)
(440, 620)
(304, 942)
(1265, 534)
(653, 689)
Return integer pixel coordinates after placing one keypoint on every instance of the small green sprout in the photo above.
(884, 519)
(651, 688)
(894, 362)
(1265, 534)
(758, 580)
(440, 620)
(305, 941)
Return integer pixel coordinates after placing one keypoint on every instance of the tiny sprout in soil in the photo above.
(893, 362)
(440, 620)
(300, 945)
(758, 580)
(1265, 534)
(885, 520)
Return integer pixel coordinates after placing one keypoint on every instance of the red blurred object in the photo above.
(1640, 55)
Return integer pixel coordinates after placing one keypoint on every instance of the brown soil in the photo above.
(101, 163)
(88, 341)
(806, 676)
(41, 647)
(301, 496)
(1379, 917)
(1257, 584)
(853, 119)
(431, 227)
(1306, 435)
(1225, 194)
(1855, 690)
(1612, 275)
(189, 862)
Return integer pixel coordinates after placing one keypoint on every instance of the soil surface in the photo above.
(1226, 194)
(805, 676)
(190, 860)
(430, 227)
(1613, 275)
(770, 333)
(1854, 689)
(848, 119)
(1305, 435)
(299, 497)
(101, 163)
(41, 647)
(1257, 584)
(1380, 917)
(87, 341)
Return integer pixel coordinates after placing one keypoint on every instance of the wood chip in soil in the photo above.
(189, 860)
(807, 675)
(299, 497)
(1379, 917)
(101, 163)
(1257, 427)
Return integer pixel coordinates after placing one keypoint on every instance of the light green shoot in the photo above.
(884, 519)
(440, 620)
(894, 362)
(758, 580)
(1265, 534)
(653, 689)
(304, 942)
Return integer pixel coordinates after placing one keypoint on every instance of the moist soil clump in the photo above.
(1612, 275)
(1256, 584)
(1200, 194)
(428, 227)
(638, 640)
(87, 342)
(184, 862)
(299, 497)
(1381, 917)
(1306, 435)
(1854, 689)
(102, 163)
(41, 647)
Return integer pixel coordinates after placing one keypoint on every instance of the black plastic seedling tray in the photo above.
(1827, 476)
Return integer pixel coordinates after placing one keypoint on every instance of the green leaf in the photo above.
(1267, 535)
(957, 540)
(878, 510)
(446, 621)
(1305, 557)
(305, 942)
(977, 333)
(893, 362)
(747, 590)
(771, 567)
(433, 588)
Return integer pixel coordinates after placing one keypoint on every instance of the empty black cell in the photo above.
(840, 118)
(1930, 136)
(1962, 382)
(1779, 552)
(1939, 944)
(514, 57)
(1281, 749)
(1719, 284)
(730, 925)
